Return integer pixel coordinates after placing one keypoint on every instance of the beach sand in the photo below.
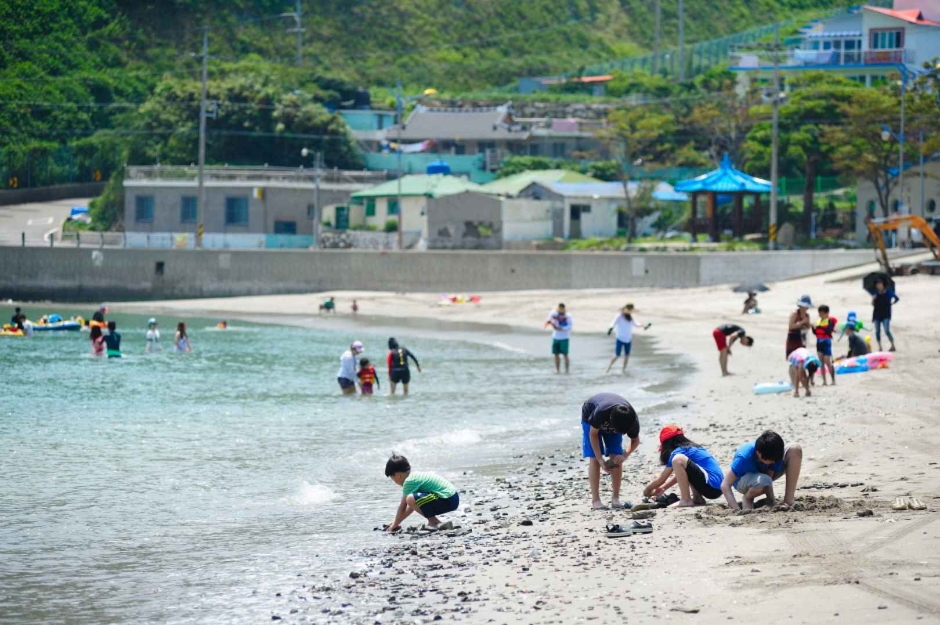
(870, 439)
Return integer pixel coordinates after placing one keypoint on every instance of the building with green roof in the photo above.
(374, 206)
(512, 186)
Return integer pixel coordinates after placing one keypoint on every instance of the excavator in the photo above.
(877, 226)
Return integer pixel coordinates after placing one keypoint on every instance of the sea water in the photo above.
(192, 487)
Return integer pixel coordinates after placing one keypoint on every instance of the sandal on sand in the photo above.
(642, 527)
(641, 506)
(900, 503)
(615, 531)
(445, 526)
(916, 504)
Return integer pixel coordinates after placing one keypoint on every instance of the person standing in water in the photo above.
(181, 344)
(347, 368)
(97, 341)
(398, 371)
(622, 328)
(560, 321)
(112, 341)
(153, 337)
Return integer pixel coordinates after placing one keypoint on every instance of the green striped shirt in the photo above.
(426, 482)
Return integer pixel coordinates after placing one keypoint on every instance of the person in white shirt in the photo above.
(622, 328)
(560, 321)
(153, 337)
(347, 368)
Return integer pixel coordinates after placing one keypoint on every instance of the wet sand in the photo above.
(870, 439)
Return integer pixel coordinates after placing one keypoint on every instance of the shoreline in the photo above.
(871, 438)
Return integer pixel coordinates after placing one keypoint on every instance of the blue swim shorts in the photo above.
(430, 504)
(824, 347)
(624, 347)
(611, 442)
(345, 383)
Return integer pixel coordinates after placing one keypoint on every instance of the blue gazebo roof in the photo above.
(725, 179)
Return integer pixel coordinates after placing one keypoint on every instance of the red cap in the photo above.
(669, 431)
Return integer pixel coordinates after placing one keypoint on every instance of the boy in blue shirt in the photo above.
(757, 465)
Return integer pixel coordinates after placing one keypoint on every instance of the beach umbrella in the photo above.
(754, 287)
(868, 282)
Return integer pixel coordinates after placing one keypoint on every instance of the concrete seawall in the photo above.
(62, 274)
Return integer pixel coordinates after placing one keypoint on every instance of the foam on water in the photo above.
(310, 494)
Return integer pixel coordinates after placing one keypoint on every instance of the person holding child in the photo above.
(605, 418)
(426, 493)
(687, 464)
(757, 465)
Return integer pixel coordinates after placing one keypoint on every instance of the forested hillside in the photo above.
(88, 85)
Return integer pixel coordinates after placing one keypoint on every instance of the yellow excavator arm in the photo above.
(877, 226)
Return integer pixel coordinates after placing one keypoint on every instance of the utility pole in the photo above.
(901, 205)
(298, 29)
(400, 106)
(655, 65)
(775, 142)
(681, 41)
(201, 207)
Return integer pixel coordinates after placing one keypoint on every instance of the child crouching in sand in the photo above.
(803, 366)
(687, 464)
(757, 465)
(425, 492)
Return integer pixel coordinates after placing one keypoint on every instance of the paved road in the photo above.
(34, 219)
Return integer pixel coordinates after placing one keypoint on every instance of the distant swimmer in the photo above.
(15, 321)
(112, 341)
(97, 341)
(605, 418)
(398, 371)
(622, 328)
(355, 307)
(222, 325)
(153, 337)
(721, 334)
(97, 317)
(347, 369)
(329, 305)
(368, 377)
(560, 322)
(181, 344)
(26, 325)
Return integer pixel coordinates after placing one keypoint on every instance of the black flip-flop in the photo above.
(615, 531)
(642, 527)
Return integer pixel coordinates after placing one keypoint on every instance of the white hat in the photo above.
(151, 321)
(357, 347)
(804, 302)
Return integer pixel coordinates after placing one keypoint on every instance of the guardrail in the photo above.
(254, 174)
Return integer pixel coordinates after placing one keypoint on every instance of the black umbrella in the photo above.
(755, 287)
(868, 282)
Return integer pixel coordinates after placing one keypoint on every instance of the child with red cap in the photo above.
(687, 464)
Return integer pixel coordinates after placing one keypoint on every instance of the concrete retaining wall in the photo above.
(50, 194)
(120, 274)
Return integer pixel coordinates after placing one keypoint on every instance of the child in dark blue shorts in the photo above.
(605, 418)
(824, 330)
(427, 493)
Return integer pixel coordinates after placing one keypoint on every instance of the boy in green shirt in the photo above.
(426, 492)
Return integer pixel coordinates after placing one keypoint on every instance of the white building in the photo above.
(866, 44)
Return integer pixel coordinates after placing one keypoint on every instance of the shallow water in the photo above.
(188, 488)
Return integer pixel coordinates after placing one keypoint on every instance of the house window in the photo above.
(392, 206)
(189, 209)
(871, 208)
(370, 207)
(143, 208)
(236, 211)
(483, 146)
(932, 206)
(311, 211)
(558, 150)
(285, 227)
(892, 39)
(460, 148)
(534, 149)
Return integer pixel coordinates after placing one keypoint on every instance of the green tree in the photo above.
(814, 103)
(638, 135)
(860, 151)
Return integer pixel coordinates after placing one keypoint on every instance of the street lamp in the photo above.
(400, 101)
(316, 193)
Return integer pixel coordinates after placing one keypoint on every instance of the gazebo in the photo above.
(726, 180)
